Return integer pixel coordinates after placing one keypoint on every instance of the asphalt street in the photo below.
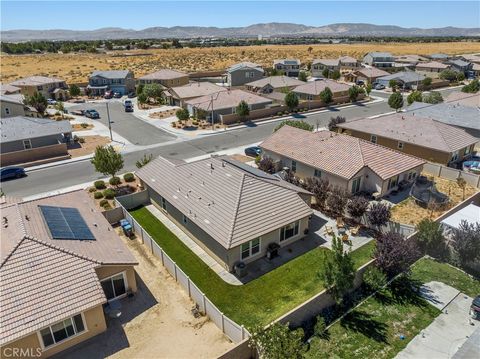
(54, 178)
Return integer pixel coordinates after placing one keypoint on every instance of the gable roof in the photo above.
(465, 99)
(347, 59)
(417, 130)
(16, 99)
(287, 61)
(21, 127)
(459, 63)
(6, 89)
(164, 74)
(404, 76)
(231, 202)
(326, 62)
(315, 87)
(195, 89)
(275, 82)
(227, 99)
(439, 56)
(432, 65)
(111, 74)
(340, 155)
(375, 54)
(373, 72)
(245, 65)
(35, 81)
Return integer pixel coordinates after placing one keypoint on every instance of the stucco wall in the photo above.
(108, 271)
(95, 324)
(13, 109)
(239, 78)
(33, 154)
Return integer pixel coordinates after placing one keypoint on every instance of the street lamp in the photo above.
(109, 123)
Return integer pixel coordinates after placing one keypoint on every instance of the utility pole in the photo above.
(109, 123)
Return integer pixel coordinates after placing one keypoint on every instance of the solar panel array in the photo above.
(66, 223)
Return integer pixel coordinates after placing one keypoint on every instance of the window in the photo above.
(310, 97)
(294, 166)
(163, 203)
(39, 88)
(289, 231)
(411, 175)
(317, 173)
(7, 111)
(62, 330)
(184, 219)
(27, 144)
(400, 145)
(114, 286)
(392, 182)
(373, 139)
(455, 156)
(250, 249)
(356, 185)
(467, 150)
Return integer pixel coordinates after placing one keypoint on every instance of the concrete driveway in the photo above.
(449, 331)
(126, 124)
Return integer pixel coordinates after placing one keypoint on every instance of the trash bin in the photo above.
(240, 269)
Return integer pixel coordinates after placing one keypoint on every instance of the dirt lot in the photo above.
(76, 67)
(157, 322)
(409, 212)
(79, 127)
(91, 142)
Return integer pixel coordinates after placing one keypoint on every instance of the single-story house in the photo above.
(460, 65)
(232, 210)
(311, 90)
(121, 81)
(410, 60)
(61, 262)
(431, 68)
(165, 77)
(319, 65)
(244, 72)
(12, 105)
(350, 163)
(290, 67)
(379, 59)
(452, 113)
(273, 84)
(225, 103)
(49, 87)
(439, 57)
(367, 75)
(26, 139)
(406, 79)
(178, 95)
(464, 99)
(419, 136)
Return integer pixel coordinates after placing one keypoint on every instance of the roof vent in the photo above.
(223, 164)
(211, 166)
(27, 218)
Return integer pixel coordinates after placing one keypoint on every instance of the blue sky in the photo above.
(88, 15)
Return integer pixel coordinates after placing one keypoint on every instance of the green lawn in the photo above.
(259, 301)
(373, 329)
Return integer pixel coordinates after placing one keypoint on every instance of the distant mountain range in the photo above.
(270, 29)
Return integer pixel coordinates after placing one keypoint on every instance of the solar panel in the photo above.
(66, 223)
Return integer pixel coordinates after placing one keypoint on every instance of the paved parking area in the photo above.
(449, 331)
(135, 130)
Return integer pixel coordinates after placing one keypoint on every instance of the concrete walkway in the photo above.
(194, 247)
(449, 331)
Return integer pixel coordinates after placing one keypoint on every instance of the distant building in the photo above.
(311, 90)
(243, 72)
(166, 78)
(460, 65)
(439, 57)
(379, 59)
(290, 67)
(366, 75)
(271, 84)
(320, 65)
(406, 79)
(50, 87)
(121, 81)
(431, 69)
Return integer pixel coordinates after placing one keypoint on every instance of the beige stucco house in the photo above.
(50, 87)
(349, 163)
(165, 77)
(232, 210)
(61, 263)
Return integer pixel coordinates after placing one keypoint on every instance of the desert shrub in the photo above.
(107, 207)
(129, 177)
(103, 202)
(92, 189)
(109, 193)
(81, 140)
(98, 195)
(115, 181)
(298, 124)
(99, 185)
(84, 125)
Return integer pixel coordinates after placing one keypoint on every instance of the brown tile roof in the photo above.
(338, 154)
(315, 87)
(432, 65)
(6, 89)
(164, 74)
(372, 72)
(326, 62)
(35, 80)
(421, 131)
(465, 99)
(276, 82)
(227, 99)
(195, 89)
(230, 201)
(43, 279)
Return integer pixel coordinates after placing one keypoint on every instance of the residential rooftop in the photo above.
(404, 76)
(433, 65)
(35, 81)
(196, 89)
(246, 64)
(415, 129)
(15, 98)
(315, 87)
(276, 82)
(6, 89)
(111, 74)
(340, 155)
(230, 201)
(227, 99)
(164, 74)
(326, 62)
(465, 99)
(375, 54)
(372, 72)
(21, 127)
(287, 61)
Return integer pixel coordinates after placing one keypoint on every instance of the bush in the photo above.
(472, 87)
(433, 98)
(107, 207)
(92, 189)
(357, 206)
(103, 202)
(98, 195)
(115, 181)
(374, 279)
(334, 121)
(109, 193)
(99, 185)
(320, 327)
(267, 164)
(84, 125)
(81, 140)
(129, 177)
(294, 123)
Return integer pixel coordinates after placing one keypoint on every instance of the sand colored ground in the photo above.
(75, 68)
(409, 212)
(88, 147)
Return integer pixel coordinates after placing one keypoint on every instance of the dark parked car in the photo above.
(128, 106)
(117, 95)
(475, 308)
(360, 83)
(108, 95)
(92, 114)
(12, 172)
(132, 95)
(253, 151)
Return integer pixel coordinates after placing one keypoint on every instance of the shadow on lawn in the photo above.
(403, 290)
(364, 323)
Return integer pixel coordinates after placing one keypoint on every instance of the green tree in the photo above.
(302, 76)
(433, 97)
(140, 89)
(326, 96)
(144, 160)
(326, 73)
(336, 75)
(152, 91)
(142, 98)
(448, 75)
(37, 101)
(298, 124)
(74, 90)
(460, 76)
(395, 101)
(243, 110)
(277, 341)
(107, 161)
(338, 270)
(427, 82)
(368, 89)
(472, 87)
(415, 96)
(374, 279)
(291, 100)
(182, 114)
(354, 92)
(392, 84)
(429, 236)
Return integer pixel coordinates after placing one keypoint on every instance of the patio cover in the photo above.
(470, 213)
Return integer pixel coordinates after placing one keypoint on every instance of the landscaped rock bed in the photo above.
(103, 193)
